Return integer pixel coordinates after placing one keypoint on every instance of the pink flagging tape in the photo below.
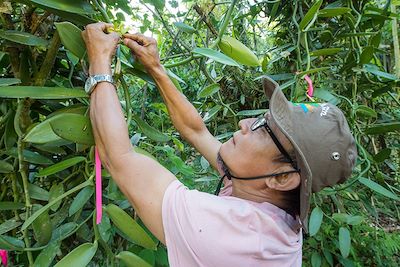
(99, 204)
(4, 257)
(310, 91)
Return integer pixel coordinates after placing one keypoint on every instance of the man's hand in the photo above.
(100, 47)
(145, 49)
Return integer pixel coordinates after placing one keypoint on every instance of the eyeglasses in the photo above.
(263, 122)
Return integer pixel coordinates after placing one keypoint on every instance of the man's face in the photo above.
(252, 153)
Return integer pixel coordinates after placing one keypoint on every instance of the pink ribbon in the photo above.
(4, 257)
(99, 209)
(310, 90)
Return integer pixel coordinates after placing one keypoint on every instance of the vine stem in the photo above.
(103, 12)
(21, 170)
(127, 100)
(224, 24)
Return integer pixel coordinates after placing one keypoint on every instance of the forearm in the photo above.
(183, 114)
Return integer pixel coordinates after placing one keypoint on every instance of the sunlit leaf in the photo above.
(132, 260)
(310, 16)
(333, 12)
(9, 81)
(73, 127)
(129, 226)
(46, 257)
(71, 38)
(79, 257)
(233, 48)
(325, 52)
(217, 56)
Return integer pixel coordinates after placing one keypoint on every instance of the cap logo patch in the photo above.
(307, 107)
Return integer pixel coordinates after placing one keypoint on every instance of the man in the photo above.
(270, 168)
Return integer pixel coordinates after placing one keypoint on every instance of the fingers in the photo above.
(99, 26)
(133, 45)
(140, 38)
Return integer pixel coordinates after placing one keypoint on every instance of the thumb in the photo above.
(133, 45)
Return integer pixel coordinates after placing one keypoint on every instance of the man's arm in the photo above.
(183, 114)
(142, 180)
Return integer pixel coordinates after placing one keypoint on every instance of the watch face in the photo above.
(89, 83)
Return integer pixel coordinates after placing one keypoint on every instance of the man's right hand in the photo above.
(145, 49)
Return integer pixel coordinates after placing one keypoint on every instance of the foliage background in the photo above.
(349, 48)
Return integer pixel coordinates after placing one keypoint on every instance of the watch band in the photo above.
(93, 80)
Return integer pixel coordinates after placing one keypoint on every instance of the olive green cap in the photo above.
(325, 149)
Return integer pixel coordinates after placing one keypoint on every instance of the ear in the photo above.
(284, 182)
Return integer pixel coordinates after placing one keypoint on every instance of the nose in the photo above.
(245, 124)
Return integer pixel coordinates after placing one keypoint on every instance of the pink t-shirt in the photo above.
(224, 231)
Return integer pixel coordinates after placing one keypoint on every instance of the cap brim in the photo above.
(281, 114)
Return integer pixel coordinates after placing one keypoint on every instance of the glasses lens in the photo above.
(258, 123)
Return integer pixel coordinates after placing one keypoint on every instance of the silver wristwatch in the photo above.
(93, 80)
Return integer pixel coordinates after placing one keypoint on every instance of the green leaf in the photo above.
(251, 113)
(23, 38)
(316, 259)
(5, 167)
(37, 192)
(35, 215)
(366, 111)
(184, 27)
(37, 92)
(381, 128)
(73, 127)
(344, 241)
(55, 191)
(315, 220)
(30, 156)
(149, 131)
(326, 95)
(378, 188)
(211, 113)
(71, 38)
(325, 52)
(215, 55)
(333, 12)
(77, 7)
(9, 81)
(236, 50)
(80, 200)
(79, 257)
(42, 133)
(367, 54)
(6, 205)
(42, 228)
(209, 90)
(375, 71)
(354, 220)
(310, 16)
(11, 243)
(60, 166)
(132, 260)
(9, 225)
(382, 155)
(46, 257)
(129, 227)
